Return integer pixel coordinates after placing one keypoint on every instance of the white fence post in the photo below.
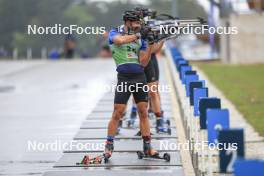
(15, 53)
(43, 53)
(29, 53)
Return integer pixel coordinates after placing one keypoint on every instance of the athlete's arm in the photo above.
(117, 39)
(123, 39)
(144, 55)
(157, 47)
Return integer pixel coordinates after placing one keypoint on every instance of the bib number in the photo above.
(131, 53)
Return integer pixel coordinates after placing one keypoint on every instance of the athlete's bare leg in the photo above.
(142, 108)
(154, 97)
(117, 115)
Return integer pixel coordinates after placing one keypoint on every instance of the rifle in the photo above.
(154, 24)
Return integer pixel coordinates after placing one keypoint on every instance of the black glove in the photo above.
(144, 32)
(150, 38)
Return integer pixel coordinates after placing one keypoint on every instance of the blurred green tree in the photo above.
(16, 15)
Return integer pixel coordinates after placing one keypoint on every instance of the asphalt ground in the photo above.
(124, 161)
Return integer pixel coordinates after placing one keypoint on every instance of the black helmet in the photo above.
(144, 12)
(131, 15)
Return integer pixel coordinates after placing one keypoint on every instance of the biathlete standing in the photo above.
(131, 54)
(152, 77)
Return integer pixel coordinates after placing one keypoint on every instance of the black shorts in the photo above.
(152, 70)
(131, 83)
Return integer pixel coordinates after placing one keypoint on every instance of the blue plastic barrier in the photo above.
(232, 142)
(204, 104)
(197, 94)
(218, 119)
(188, 80)
(175, 53)
(181, 66)
(249, 167)
(192, 86)
(183, 70)
(188, 72)
(181, 63)
(176, 61)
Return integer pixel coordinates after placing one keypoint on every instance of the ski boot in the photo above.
(162, 127)
(109, 148)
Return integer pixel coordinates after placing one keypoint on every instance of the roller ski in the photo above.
(150, 153)
(89, 161)
(142, 155)
(163, 127)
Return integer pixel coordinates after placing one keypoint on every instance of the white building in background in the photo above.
(248, 45)
(248, 16)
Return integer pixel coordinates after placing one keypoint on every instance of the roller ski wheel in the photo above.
(166, 156)
(106, 158)
(85, 161)
(142, 155)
